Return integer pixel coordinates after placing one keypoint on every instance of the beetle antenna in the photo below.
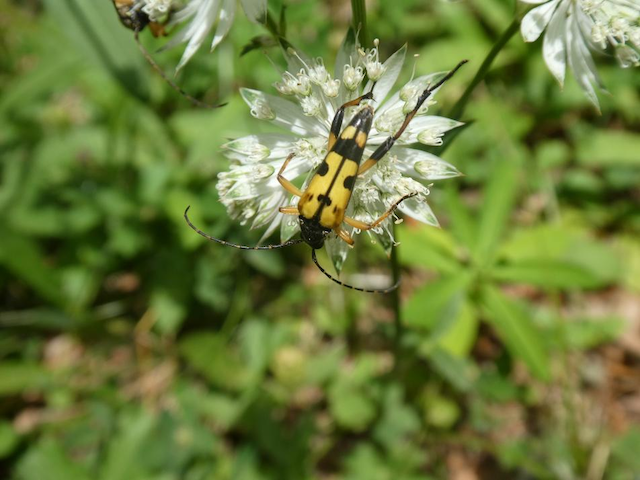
(172, 84)
(346, 285)
(235, 245)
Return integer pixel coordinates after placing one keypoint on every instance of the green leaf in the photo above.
(497, 203)
(17, 377)
(625, 449)
(440, 411)
(398, 418)
(459, 372)
(564, 245)
(609, 147)
(23, 257)
(222, 410)
(48, 75)
(628, 249)
(366, 463)
(438, 303)
(463, 226)
(93, 29)
(259, 341)
(496, 387)
(549, 274)
(267, 263)
(552, 153)
(169, 310)
(428, 247)
(124, 452)
(9, 439)
(351, 407)
(461, 334)
(48, 461)
(212, 357)
(521, 337)
(585, 333)
(259, 42)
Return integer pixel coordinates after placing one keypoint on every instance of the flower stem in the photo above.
(359, 13)
(395, 299)
(458, 109)
(272, 25)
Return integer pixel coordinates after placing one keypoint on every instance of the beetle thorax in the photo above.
(312, 232)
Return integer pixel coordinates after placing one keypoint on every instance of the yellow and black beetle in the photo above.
(322, 205)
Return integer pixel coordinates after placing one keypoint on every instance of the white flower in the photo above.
(252, 196)
(156, 10)
(573, 27)
(203, 16)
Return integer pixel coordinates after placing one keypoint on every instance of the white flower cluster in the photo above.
(202, 16)
(250, 189)
(156, 10)
(573, 27)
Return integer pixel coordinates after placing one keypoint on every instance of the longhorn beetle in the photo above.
(135, 19)
(322, 206)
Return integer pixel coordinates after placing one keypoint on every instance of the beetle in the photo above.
(136, 20)
(323, 204)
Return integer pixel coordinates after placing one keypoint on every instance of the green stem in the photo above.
(359, 12)
(272, 26)
(458, 109)
(395, 299)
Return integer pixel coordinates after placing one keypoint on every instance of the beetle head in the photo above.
(312, 232)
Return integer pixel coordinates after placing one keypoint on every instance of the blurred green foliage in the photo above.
(131, 349)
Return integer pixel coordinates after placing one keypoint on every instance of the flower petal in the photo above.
(395, 101)
(255, 10)
(423, 165)
(290, 224)
(205, 14)
(554, 46)
(393, 66)
(259, 147)
(224, 24)
(338, 249)
(286, 114)
(437, 124)
(536, 20)
(267, 213)
(346, 52)
(418, 209)
(582, 68)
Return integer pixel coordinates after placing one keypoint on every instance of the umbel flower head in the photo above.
(202, 16)
(574, 27)
(250, 189)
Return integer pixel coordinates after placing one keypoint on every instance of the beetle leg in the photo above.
(286, 184)
(368, 226)
(336, 125)
(384, 148)
(344, 235)
(290, 210)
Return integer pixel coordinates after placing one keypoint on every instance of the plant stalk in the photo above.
(396, 304)
(359, 14)
(458, 109)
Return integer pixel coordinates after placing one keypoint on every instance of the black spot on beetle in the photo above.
(324, 199)
(323, 169)
(349, 182)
